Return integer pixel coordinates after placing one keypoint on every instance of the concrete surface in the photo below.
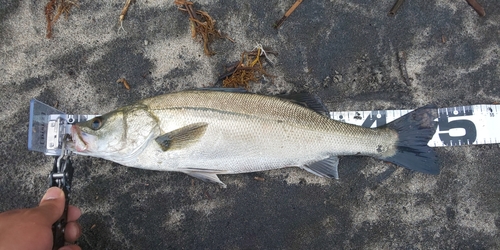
(348, 52)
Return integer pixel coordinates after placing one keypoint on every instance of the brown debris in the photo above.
(201, 24)
(477, 7)
(207, 195)
(257, 178)
(395, 8)
(125, 83)
(249, 69)
(124, 13)
(288, 13)
(53, 11)
(403, 68)
(49, 16)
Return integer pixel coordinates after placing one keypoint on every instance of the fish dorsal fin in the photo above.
(206, 176)
(233, 90)
(325, 168)
(309, 101)
(182, 137)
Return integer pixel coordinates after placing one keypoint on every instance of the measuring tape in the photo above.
(463, 125)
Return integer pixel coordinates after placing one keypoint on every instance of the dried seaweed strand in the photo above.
(247, 70)
(201, 24)
(477, 7)
(124, 13)
(51, 15)
(64, 7)
(288, 13)
(206, 29)
(395, 8)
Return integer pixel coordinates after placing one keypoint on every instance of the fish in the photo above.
(206, 133)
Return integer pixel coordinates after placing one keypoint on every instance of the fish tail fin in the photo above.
(415, 129)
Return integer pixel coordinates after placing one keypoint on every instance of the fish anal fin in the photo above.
(182, 137)
(206, 176)
(325, 168)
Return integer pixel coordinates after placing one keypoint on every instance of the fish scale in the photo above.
(234, 146)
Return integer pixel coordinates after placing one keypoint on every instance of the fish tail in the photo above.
(415, 129)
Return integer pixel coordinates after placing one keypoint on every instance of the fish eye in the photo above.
(96, 123)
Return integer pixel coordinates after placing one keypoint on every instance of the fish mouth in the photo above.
(77, 142)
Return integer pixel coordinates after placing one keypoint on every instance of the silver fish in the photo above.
(204, 133)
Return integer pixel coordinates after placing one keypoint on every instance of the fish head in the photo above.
(118, 135)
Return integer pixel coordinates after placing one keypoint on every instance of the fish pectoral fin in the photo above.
(206, 176)
(182, 137)
(325, 168)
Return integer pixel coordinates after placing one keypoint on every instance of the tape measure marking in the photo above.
(456, 126)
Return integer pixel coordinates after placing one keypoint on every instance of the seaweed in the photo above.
(287, 13)
(250, 68)
(124, 13)
(202, 24)
(54, 9)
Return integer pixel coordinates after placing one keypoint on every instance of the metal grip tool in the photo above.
(61, 176)
(48, 133)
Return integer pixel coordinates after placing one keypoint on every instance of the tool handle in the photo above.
(59, 226)
(61, 176)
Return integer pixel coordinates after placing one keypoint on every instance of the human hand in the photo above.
(31, 228)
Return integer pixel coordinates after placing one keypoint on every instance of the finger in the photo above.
(51, 207)
(72, 232)
(70, 247)
(73, 213)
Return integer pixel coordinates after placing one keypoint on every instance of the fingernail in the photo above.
(52, 194)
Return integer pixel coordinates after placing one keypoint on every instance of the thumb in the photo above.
(51, 206)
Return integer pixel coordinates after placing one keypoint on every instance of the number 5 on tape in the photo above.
(463, 125)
